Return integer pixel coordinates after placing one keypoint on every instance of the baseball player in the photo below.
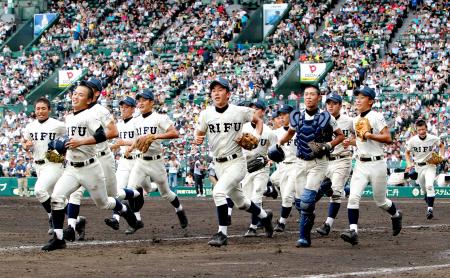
(84, 131)
(371, 135)
(254, 183)
(37, 135)
(421, 146)
(314, 130)
(223, 123)
(105, 157)
(127, 134)
(340, 162)
(151, 127)
(285, 176)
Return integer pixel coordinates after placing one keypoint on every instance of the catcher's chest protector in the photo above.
(317, 129)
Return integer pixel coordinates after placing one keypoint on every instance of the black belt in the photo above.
(421, 164)
(332, 158)
(82, 163)
(102, 153)
(151, 157)
(225, 159)
(373, 158)
(131, 157)
(39, 162)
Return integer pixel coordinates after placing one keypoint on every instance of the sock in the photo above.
(353, 216)
(138, 216)
(72, 222)
(49, 215)
(222, 215)
(230, 202)
(333, 209)
(120, 207)
(73, 211)
(78, 219)
(58, 233)
(253, 226)
(223, 229)
(130, 193)
(176, 203)
(354, 227)
(282, 220)
(58, 222)
(262, 214)
(285, 212)
(393, 210)
(430, 202)
(47, 206)
(255, 219)
(254, 209)
(230, 211)
(329, 221)
(117, 217)
(179, 208)
(138, 200)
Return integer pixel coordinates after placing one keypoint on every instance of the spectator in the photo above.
(198, 177)
(174, 167)
(20, 173)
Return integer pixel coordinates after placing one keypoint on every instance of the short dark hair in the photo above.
(90, 92)
(43, 100)
(421, 122)
(311, 86)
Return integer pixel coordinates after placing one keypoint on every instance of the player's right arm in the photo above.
(286, 136)
(26, 140)
(200, 130)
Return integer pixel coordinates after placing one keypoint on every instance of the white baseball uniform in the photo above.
(127, 131)
(340, 164)
(254, 184)
(286, 174)
(151, 163)
(48, 173)
(374, 171)
(312, 172)
(222, 130)
(421, 149)
(83, 167)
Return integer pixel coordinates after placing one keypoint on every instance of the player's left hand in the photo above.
(28, 144)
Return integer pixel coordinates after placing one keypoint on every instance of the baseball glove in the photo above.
(54, 156)
(362, 126)
(319, 149)
(435, 159)
(144, 142)
(256, 163)
(248, 141)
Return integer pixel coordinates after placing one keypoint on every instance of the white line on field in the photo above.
(169, 239)
(378, 271)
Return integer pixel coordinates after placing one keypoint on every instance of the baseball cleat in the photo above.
(113, 223)
(218, 240)
(324, 230)
(182, 218)
(267, 223)
(229, 220)
(280, 227)
(129, 216)
(50, 226)
(69, 234)
(54, 244)
(80, 228)
(350, 236)
(304, 243)
(397, 223)
(430, 214)
(132, 230)
(250, 233)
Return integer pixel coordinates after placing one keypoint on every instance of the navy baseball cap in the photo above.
(259, 104)
(128, 101)
(221, 81)
(275, 114)
(93, 83)
(286, 109)
(334, 97)
(147, 94)
(367, 91)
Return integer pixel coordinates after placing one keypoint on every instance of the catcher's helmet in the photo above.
(276, 153)
(59, 144)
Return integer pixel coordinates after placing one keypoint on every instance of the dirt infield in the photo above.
(163, 249)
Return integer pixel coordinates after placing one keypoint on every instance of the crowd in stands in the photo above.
(177, 47)
(6, 30)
